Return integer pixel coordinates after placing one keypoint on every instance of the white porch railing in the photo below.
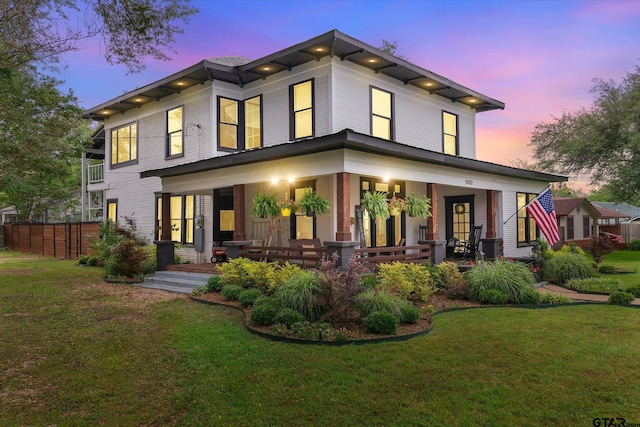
(95, 173)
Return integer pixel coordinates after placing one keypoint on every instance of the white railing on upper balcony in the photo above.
(95, 173)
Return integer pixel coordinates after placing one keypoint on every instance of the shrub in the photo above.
(530, 296)
(248, 296)
(549, 298)
(593, 284)
(148, 266)
(280, 275)
(514, 279)
(300, 293)
(634, 245)
(405, 279)
(288, 317)
(436, 275)
(606, 269)
(370, 281)
(264, 311)
(451, 275)
(120, 249)
(458, 290)
(313, 331)
(82, 260)
(493, 296)
(635, 290)
(380, 300)
(235, 272)
(231, 292)
(125, 259)
(214, 284)
(620, 297)
(410, 313)
(563, 266)
(381, 322)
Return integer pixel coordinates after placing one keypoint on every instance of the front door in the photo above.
(380, 232)
(223, 219)
(459, 217)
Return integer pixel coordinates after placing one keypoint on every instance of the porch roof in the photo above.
(350, 140)
(332, 43)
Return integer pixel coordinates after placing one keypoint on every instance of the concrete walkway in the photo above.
(577, 296)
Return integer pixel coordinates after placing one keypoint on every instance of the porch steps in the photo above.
(175, 281)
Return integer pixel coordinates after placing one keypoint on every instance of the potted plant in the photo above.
(397, 205)
(288, 206)
(418, 206)
(313, 203)
(375, 203)
(265, 206)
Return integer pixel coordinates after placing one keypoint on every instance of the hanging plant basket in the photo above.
(313, 204)
(375, 203)
(418, 206)
(265, 206)
(285, 211)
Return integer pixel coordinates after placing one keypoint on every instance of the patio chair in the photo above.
(471, 245)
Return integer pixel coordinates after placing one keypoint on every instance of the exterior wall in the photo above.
(417, 115)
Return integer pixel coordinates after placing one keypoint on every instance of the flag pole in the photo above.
(516, 212)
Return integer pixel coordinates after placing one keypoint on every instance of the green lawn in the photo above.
(74, 351)
(628, 261)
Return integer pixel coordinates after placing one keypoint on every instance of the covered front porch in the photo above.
(464, 193)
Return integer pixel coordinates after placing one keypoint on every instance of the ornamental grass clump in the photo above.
(301, 293)
(514, 279)
(565, 265)
(380, 300)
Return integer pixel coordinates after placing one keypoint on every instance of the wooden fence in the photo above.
(63, 240)
(630, 231)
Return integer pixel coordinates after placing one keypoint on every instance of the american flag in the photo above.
(543, 213)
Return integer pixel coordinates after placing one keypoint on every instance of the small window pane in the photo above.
(176, 143)
(381, 127)
(174, 120)
(228, 136)
(302, 96)
(304, 125)
(227, 220)
(380, 103)
(228, 111)
(252, 123)
(381, 186)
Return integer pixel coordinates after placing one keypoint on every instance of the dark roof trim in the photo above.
(349, 140)
(332, 43)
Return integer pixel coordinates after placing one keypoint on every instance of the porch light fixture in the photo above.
(274, 181)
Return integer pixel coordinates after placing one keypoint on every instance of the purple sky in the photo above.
(537, 56)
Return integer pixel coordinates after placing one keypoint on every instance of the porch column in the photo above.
(492, 205)
(492, 246)
(165, 249)
(432, 223)
(239, 230)
(431, 236)
(343, 202)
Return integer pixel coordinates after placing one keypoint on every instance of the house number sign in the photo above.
(468, 181)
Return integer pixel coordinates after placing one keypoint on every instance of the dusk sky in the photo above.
(537, 56)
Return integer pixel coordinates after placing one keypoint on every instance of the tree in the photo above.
(392, 48)
(602, 142)
(39, 31)
(41, 139)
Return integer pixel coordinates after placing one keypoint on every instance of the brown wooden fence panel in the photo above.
(35, 235)
(59, 240)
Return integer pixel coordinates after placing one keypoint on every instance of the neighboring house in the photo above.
(632, 213)
(8, 214)
(577, 219)
(191, 150)
(609, 220)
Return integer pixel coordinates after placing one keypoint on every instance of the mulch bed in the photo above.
(438, 302)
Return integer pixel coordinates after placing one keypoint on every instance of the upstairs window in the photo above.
(450, 144)
(527, 230)
(381, 114)
(175, 124)
(301, 124)
(239, 123)
(124, 145)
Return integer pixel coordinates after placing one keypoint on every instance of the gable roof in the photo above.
(349, 140)
(565, 205)
(333, 43)
(628, 210)
(608, 213)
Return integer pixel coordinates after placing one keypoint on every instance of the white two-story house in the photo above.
(331, 113)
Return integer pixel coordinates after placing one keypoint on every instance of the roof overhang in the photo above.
(350, 140)
(333, 43)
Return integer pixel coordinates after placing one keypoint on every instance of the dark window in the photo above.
(586, 226)
(570, 228)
